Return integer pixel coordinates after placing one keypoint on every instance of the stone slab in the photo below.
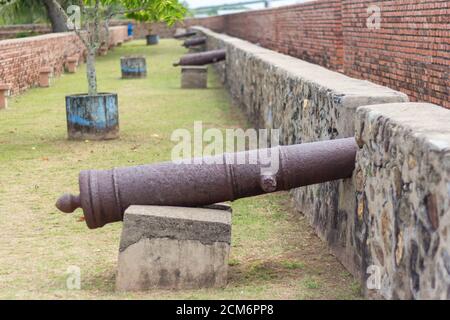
(174, 248)
(194, 77)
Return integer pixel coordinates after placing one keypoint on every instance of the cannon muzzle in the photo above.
(185, 35)
(202, 58)
(106, 194)
(194, 42)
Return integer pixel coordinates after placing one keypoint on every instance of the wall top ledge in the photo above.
(426, 122)
(340, 84)
(46, 37)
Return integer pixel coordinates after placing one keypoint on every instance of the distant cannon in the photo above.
(105, 195)
(202, 58)
(185, 34)
(194, 42)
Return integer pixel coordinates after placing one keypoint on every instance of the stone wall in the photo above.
(311, 103)
(21, 59)
(402, 184)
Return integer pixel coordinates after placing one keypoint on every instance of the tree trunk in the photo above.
(91, 72)
(56, 15)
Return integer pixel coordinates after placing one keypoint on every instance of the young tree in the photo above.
(96, 15)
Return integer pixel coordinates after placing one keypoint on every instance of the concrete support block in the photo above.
(44, 77)
(194, 77)
(4, 92)
(197, 49)
(179, 31)
(71, 65)
(103, 51)
(174, 248)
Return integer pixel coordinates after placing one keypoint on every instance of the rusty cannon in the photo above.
(202, 58)
(194, 42)
(106, 194)
(186, 34)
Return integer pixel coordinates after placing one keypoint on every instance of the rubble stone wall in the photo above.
(393, 215)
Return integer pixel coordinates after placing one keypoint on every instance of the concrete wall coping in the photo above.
(45, 37)
(35, 38)
(339, 83)
(426, 122)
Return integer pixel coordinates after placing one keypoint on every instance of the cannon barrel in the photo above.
(185, 35)
(106, 194)
(202, 58)
(194, 42)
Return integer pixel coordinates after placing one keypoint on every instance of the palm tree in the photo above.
(33, 11)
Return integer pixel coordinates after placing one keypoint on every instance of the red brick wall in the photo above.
(216, 24)
(21, 59)
(311, 31)
(410, 52)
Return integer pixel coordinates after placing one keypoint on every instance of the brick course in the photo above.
(410, 52)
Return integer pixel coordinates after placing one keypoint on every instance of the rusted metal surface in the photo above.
(194, 42)
(202, 58)
(185, 35)
(105, 195)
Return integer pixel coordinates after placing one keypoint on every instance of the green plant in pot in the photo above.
(150, 17)
(95, 115)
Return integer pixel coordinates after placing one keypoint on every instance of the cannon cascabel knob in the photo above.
(68, 203)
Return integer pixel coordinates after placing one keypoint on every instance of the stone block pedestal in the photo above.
(72, 63)
(44, 77)
(4, 92)
(174, 248)
(103, 51)
(194, 77)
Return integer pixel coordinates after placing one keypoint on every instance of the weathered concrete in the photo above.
(194, 77)
(174, 248)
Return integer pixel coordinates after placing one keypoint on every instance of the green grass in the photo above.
(273, 248)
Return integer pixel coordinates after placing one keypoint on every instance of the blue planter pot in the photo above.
(92, 117)
(152, 39)
(133, 67)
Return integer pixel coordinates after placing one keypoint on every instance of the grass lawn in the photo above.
(275, 255)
